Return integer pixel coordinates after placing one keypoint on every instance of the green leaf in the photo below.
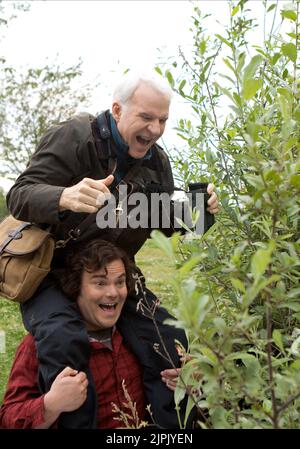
(250, 88)
(271, 7)
(253, 368)
(218, 416)
(290, 51)
(202, 46)
(275, 58)
(295, 306)
(258, 287)
(238, 284)
(252, 67)
(278, 340)
(210, 355)
(295, 348)
(294, 293)
(291, 15)
(190, 404)
(296, 365)
(181, 85)
(260, 260)
(267, 405)
(285, 92)
(170, 78)
(235, 10)
(179, 393)
(284, 107)
(295, 181)
(222, 39)
(163, 243)
(297, 316)
(229, 65)
(241, 62)
(190, 264)
(225, 91)
(220, 324)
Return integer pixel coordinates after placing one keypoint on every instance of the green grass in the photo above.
(158, 272)
(156, 269)
(11, 324)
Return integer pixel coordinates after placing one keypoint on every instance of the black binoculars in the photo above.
(199, 201)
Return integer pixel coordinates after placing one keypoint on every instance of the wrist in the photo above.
(51, 407)
(62, 205)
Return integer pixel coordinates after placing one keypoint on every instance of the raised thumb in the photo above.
(108, 180)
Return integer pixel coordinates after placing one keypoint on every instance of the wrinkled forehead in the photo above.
(111, 270)
(148, 100)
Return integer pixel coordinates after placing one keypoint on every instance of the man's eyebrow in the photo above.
(104, 276)
(165, 117)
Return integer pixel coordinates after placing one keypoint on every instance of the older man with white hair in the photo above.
(77, 166)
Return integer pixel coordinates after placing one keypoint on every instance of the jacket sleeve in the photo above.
(169, 211)
(23, 404)
(36, 193)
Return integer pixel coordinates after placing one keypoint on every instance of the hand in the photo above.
(86, 196)
(170, 377)
(67, 393)
(213, 200)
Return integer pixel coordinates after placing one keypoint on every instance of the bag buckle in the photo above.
(15, 234)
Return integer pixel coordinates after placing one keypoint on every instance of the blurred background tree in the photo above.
(32, 100)
(35, 100)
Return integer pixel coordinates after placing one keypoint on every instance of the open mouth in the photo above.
(108, 306)
(143, 141)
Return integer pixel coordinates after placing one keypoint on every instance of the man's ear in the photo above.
(116, 110)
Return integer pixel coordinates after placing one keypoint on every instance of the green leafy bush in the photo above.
(237, 287)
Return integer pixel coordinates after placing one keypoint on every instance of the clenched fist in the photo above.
(86, 196)
(67, 393)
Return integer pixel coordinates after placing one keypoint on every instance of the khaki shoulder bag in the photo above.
(26, 252)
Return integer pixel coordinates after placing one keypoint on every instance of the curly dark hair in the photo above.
(91, 256)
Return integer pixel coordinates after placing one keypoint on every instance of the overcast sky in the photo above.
(109, 37)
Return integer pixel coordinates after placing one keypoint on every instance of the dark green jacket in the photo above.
(67, 153)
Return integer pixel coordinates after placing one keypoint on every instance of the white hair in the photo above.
(131, 81)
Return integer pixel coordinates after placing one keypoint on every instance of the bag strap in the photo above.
(15, 234)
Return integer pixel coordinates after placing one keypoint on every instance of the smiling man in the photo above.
(78, 164)
(97, 278)
(102, 296)
(142, 120)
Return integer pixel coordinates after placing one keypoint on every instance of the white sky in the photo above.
(109, 36)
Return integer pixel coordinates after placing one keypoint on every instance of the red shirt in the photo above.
(23, 405)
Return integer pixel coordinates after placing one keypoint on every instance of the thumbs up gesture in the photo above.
(86, 196)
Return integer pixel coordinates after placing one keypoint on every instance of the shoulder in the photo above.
(77, 127)
(161, 152)
(161, 156)
(27, 344)
(26, 354)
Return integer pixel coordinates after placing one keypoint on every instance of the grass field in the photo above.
(157, 271)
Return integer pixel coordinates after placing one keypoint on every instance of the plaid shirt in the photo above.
(23, 405)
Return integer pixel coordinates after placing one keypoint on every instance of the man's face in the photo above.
(102, 296)
(141, 122)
